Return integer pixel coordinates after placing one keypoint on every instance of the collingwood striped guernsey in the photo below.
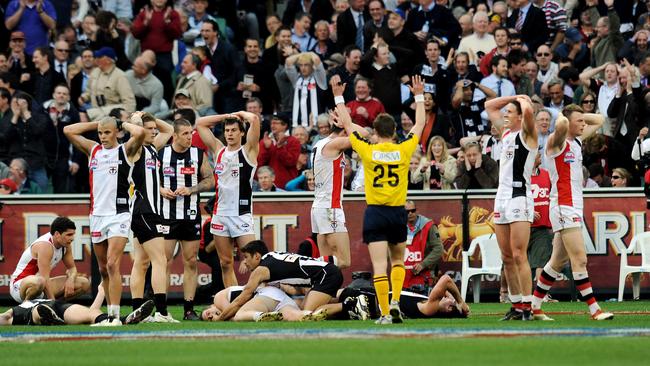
(180, 169)
(146, 180)
(293, 269)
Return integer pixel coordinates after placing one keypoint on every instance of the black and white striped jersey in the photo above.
(146, 182)
(293, 269)
(180, 169)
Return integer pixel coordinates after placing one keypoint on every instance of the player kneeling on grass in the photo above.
(31, 279)
(269, 304)
(267, 267)
(54, 312)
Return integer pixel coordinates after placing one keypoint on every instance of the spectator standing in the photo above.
(224, 67)
(350, 23)
(61, 57)
(35, 18)
(19, 62)
(5, 123)
(300, 32)
(254, 80)
(60, 164)
(26, 135)
(624, 110)
(348, 71)
(385, 78)
(43, 80)
(108, 88)
(480, 40)
(195, 85)
(436, 79)
(466, 112)
(431, 19)
(280, 152)
(556, 21)
(157, 27)
(79, 83)
(502, 47)
(530, 22)
(147, 89)
(608, 39)
(310, 83)
(377, 24)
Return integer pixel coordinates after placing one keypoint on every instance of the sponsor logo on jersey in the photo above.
(93, 164)
(387, 156)
(96, 234)
(218, 168)
(243, 202)
(168, 171)
(497, 215)
(150, 163)
(188, 170)
(217, 226)
(577, 219)
(569, 157)
(191, 212)
(163, 229)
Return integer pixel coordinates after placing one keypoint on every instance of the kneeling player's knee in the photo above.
(39, 283)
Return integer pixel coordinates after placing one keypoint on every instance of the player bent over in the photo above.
(31, 279)
(386, 165)
(564, 154)
(272, 267)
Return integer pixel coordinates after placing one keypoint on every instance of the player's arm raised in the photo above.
(44, 251)
(558, 137)
(446, 284)
(420, 114)
(593, 121)
(252, 146)
(493, 109)
(134, 144)
(343, 143)
(259, 275)
(165, 132)
(204, 127)
(75, 132)
(528, 118)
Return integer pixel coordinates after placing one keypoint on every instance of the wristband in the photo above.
(419, 98)
(339, 99)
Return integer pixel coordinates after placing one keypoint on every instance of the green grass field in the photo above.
(435, 341)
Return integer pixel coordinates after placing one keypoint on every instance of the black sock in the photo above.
(101, 317)
(188, 305)
(161, 303)
(136, 303)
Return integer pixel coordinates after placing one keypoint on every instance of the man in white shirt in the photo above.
(480, 40)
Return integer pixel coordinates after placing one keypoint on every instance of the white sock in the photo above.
(515, 298)
(257, 315)
(114, 311)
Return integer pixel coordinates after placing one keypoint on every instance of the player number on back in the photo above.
(388, 171)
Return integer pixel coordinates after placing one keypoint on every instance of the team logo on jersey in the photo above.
(188, 170)
(112, 170)
(234, 173)
(168, 171)
(510, 154)
(93, 164)
(218, 168)
(569, 157)
(150, 163)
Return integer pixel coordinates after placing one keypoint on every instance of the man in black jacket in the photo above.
(349, 25)
(430, 19)
(224, 67)
(531, 24)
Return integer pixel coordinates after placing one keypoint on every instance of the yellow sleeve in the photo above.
(409, 145)
(360, 145)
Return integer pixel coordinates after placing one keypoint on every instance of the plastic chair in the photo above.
(490, 263)
(640, 244)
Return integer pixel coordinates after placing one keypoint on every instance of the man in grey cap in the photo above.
(108, 87)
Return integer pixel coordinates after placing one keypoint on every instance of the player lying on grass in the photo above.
(269, 304)
(273, 267)
(444, 301)
(54, 312)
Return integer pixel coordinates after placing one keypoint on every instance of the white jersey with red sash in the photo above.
(233, 177)
(414, 254)
(28, 265)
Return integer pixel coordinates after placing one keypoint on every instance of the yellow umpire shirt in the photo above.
(385, 168)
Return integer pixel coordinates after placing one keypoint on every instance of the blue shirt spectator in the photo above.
(34, 18)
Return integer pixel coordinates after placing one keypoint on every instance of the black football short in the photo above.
(384, 223)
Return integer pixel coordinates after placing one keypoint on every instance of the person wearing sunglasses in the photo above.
(621, 178)
(548, 69)
(588, 102)
(564, 150)
(423, 248)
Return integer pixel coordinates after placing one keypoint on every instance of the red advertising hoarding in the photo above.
(612, 217)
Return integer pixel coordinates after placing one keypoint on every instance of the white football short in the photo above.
(328, 220)
(278, 295)
(513, 210)
(105, 227)
(564, 217)
(232, 226)
(14, 291)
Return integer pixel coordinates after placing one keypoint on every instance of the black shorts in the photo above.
(540, 246)
(409, 306)
(384, 223)
(23, 316)
(329, 282)
(189, 230)
(146, 227)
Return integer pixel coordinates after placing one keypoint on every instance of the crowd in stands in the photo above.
(66, 62)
